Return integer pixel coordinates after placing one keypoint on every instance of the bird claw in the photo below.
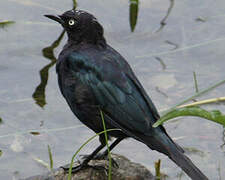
(74, 169)
(104, 156)
(101, 156)
(82, 167)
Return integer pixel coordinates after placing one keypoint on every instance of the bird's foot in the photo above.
(103, 156)
(83, 166)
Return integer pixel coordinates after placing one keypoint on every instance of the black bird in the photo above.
(92, 76)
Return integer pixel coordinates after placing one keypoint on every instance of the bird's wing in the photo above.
(118, 94)
(142, 91)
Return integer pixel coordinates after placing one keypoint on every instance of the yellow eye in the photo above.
(71, 22)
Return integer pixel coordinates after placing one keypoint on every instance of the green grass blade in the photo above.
(175, 112)
(157, 170)
(107, 144)
(74, 4)
(195, 95)
(215, 115)
(133, 13)
(50, 157)
(196, 82)
(85, 143)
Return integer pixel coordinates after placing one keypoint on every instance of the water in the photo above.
(167, 76)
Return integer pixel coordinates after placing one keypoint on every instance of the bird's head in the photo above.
(80, 27)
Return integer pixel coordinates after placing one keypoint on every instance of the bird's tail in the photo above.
(186, 165)
(164, 144)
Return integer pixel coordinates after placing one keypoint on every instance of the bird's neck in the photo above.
(87, 37)
(101, 42)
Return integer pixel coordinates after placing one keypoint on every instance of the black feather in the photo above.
(92, 76)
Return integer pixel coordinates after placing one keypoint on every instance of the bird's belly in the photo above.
(83, 104)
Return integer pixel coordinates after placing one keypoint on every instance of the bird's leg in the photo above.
(84, 164)
(93, 154)
(105, 153)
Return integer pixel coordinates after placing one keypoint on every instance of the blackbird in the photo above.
(93, 78)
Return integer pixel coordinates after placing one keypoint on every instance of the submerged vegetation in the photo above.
(6, 23)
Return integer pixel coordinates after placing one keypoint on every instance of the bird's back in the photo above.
(110, 69)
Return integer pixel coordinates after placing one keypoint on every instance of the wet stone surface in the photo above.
(127, 170)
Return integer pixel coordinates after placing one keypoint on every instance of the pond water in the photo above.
(192, 41)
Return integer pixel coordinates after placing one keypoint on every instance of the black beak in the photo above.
(55, 18)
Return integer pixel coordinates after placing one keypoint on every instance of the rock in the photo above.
(127, 170)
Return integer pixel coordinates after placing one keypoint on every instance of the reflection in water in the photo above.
(39, 93)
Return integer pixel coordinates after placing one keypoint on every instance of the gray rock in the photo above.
(127, 170)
